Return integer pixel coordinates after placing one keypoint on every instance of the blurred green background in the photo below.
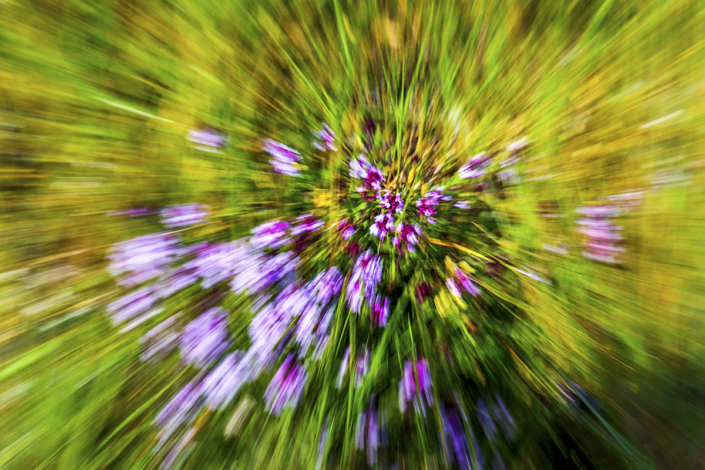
(96, 99)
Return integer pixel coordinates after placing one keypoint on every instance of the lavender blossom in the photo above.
(466, 283)
(181, 410)
(286, 387)
(363, 366)
(371, 175)
(355, 295)
(368, 434)
(206, 140)
(426, 206)
(328, 285)
(379, 311)
(284, 159)
(453, 287)
(138, 304)
(409, 392)
(370, 267)
(271, 235)
(453, 438)
(327, 137)
(184, 215)
(475, 167)
(222, 384)
(206, 337)
(142, 258)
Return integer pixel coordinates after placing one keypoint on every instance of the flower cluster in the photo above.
(306, 304)
(371, 176)
(427, 205)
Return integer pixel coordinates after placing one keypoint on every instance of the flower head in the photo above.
(284, 158)
(184, 215)
(286, 387)
(271, 235)
(327, 137)
(409, 391)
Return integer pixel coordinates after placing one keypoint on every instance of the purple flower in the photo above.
(322, 444)
(466, 283)
(453, 287)
(359, 167)
(181, 410)
(354, 295)
(222, 384)
(370, 267)
(258, 273)
(346, 229)
(383, 224)
(426, 206)
(408, 390)
(379, 311)
(369, 433)
(218, 262)
(184, 215)
(142, 258)
(475, 167)
(286, 388)
(137, 304)
(284, 159)
(310, 327)
(353, 249)
(206, 337)
(176, 280)
(207, 140)
(407, 234)
(306, 223)
(271, 235)
(328, 285)
(462, 205)
(266, 331)
(372, 177)
(453, 437)
(391, 202)
(363, 366)
(327, 137)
